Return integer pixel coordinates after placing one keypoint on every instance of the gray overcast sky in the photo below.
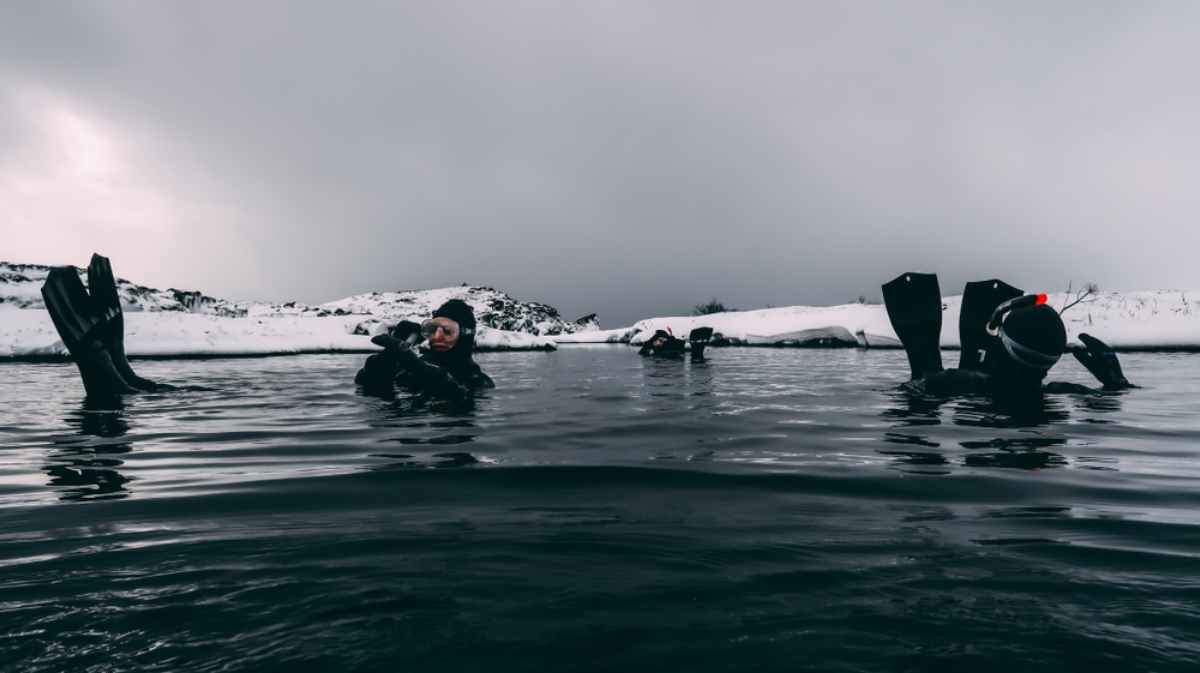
(631, 158)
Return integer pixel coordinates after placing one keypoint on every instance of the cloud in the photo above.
(626, 158)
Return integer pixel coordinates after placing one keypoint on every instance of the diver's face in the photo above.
(445, 334)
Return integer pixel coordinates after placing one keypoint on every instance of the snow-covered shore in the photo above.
(27, 333)
(164, 323)
(174, 322)
(1144, 320)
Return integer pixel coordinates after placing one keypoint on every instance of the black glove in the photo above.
(407, 330)
(401, 352)
(1101, 361)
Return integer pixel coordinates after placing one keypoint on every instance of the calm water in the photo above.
(767, 510)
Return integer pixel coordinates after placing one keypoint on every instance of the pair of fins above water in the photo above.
(914, 306)
(990, 350)
(92, 327)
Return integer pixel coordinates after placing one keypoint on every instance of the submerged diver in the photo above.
(664, 345)
(1010, 341)
(92, 327)
(446, 370)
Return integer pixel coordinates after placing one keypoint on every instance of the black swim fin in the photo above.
(980, 299)
(914, 306)
(80, 327)
(102, 286)
(699, 338)
(69, 306)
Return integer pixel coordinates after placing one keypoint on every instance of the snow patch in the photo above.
(1151, 319)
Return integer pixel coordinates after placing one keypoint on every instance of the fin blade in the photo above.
(102, 285)
(980, 299)
(914, 306)
(69, 305)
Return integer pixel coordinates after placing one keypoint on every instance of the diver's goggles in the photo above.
(451, 329)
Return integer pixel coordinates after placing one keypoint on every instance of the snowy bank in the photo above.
(28, 333)
(187, 323)
(1144, 320)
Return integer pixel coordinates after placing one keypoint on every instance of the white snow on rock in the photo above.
(20, 287)
(178, 322)
(1126, 320)
(26, 333)
(493, 309)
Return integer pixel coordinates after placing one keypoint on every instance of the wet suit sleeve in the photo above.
(432, 378)
(1064, 387)
(397, 358)
(949, 382)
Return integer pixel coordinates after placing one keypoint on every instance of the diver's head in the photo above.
(452, 328)
(660, 338)
(1032, 338)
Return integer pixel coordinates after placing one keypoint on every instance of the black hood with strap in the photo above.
(457, 361)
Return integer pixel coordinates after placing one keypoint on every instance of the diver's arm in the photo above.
(401, 358)
(951, 382)
(380, 369)
(432, 378)
(1067, 388)
(1102, 362)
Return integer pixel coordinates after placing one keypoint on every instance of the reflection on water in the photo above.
(767, 509)
(1039, 419)
(85, 466)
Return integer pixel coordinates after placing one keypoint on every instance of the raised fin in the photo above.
(914, 307)
(102, 286)
(69, 305)
(699, 338)
(79, 325)
(980, 299)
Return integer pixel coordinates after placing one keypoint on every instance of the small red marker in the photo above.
(1041, 299)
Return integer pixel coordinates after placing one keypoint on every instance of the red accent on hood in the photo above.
(1041, 299)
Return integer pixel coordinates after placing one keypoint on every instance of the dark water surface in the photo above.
(768, 510)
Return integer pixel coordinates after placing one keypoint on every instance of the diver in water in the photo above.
(1010, 341)
(664, 345)
(92, 327)
(446, 370)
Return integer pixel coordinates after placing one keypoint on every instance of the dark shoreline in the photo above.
(54, 358)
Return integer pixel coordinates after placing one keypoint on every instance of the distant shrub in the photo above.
(1085, 294)
(711, 306)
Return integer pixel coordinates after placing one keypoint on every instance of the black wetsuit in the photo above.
(451, 375)
(951, 382)
(671, 347)
(1094, 354)
(1009, 341)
